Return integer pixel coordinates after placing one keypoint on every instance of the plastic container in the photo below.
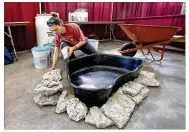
(41, 56)
(91, 85)
(94, 43)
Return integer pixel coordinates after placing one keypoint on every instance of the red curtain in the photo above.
(123, 10)
(99, 11)
(21, 11)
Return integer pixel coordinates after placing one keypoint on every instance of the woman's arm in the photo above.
(75, 47)
(81, 43)
(55, 57)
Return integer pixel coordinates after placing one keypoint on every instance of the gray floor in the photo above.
(164, 108)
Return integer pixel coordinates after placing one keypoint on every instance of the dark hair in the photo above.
(54, 20)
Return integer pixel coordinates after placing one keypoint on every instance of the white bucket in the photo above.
(94, 43)
(41, 56)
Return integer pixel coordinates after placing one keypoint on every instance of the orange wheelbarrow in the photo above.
(147, 37)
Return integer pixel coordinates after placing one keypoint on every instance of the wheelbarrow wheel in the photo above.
(128, 46)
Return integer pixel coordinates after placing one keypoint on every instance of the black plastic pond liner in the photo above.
(95, 77)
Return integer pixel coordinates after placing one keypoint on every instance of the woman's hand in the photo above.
(71, 50)
(50, 69)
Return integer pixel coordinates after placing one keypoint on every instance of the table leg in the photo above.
(111, 27)
(10, 35)
(25, 37)
(106, 30)
(112, 31)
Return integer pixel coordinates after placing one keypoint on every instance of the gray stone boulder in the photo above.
(76, 110)
(138, 98)
(43, 100)
(147, 81)
(132, 88)
(89, 119)
(98, 118)
(50, 79)
(48, 91)
(62, 101)
(118, 108)
(148, 74)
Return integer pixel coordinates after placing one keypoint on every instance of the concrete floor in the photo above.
(164, 108)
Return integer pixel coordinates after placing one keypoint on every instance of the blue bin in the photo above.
(8, 59)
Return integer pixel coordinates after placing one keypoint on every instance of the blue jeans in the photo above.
(86, 48)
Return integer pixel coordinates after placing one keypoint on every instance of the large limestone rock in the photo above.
(76, 110)
(132, 88)
(147, 81)
(119, 91)
(50, 79)
(89, 119)
(48, 91)
(148, 74)
(49, 84)
(46, 100)
(118, 108)
(62, 101)
(124, 101)
(116, 113)
(100, 120)
(138, 98)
